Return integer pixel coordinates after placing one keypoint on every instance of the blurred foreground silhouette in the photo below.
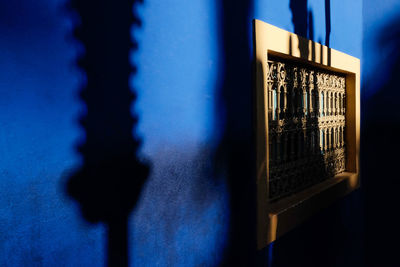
(108, 184)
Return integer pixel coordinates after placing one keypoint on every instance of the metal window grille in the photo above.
(306, 119)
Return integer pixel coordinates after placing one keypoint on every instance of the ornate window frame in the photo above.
(274, 218)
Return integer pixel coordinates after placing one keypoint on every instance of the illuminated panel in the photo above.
(306, 116)
(307, 105)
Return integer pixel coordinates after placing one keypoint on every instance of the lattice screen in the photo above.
(306, 115)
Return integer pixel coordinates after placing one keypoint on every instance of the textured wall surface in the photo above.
(183, 217)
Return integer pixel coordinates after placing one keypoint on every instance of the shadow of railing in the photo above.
(108, 184)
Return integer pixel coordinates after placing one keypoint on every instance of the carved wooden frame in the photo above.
(276, 218)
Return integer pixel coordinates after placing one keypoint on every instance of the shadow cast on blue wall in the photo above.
(108, 184)
(235, 117)
(111, 178)
(380, 146)
(37, 99)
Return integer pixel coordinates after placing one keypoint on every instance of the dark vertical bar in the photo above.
(118, 242)
(328, 28)
(327, 22)
(236, 148)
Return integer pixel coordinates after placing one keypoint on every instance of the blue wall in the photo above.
(38, 112)
(183, 217)
(380, 124)
(376, 19)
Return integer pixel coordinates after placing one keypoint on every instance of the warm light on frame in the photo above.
(278, 217)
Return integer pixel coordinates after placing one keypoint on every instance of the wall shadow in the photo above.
(328, 28)
(300, 19)
(303, 23)
(379, 147)
(110, 180)
(235, 157)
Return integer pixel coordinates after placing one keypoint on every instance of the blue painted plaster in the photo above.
(377, 62)
(182, 218)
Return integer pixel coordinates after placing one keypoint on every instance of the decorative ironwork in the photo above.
(306, 116)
